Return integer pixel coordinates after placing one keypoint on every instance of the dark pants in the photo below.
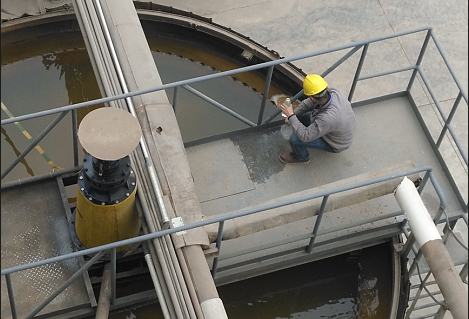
(300, 149)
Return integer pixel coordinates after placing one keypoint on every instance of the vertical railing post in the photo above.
(268, 79)
(11, 298)
(316, 225)
(419, 60)
(449, 119)
(175, 97)
(423, 182)
(113, 276)
(357, 73)
(218, 245)
(75, 137)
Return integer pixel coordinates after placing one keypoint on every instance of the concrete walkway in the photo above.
(298, 26)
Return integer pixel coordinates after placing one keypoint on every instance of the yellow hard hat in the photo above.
(314, 84)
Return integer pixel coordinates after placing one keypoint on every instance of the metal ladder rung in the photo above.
(424, 295)
(427, 284)
(428, 305)
(425, 316)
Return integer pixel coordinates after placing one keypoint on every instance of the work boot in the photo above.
(290, 158)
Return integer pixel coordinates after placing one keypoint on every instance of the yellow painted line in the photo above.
(28, 136)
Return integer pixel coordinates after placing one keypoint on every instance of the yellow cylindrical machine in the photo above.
(97, 225)
(106, 209)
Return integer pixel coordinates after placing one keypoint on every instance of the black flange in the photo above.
(106, 182)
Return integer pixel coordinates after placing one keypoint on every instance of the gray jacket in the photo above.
(334, 122)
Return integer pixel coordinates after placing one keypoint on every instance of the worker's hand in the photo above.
(287, 121)
(287, 110)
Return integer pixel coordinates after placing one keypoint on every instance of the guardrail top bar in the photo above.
(214, 220)
(210, 77)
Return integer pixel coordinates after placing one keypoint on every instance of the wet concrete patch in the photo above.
(261, 151)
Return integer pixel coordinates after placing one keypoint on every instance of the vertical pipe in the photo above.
(11, 297)
(179, 282)
(156, 283)
(268, 80)
(168, 273)
(151, 169)
(75, 137)
(103, 61)
(419, 60)
(156, 250)
(433, 248)
(113, 276)
(175, 98)
(316, 225)
(357, 73)
(90, 41)
(104, 301)
(218, 245)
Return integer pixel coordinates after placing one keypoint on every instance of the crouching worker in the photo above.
(324, 121)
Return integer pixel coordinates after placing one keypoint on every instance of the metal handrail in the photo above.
(210, 77)
(442, 113)
(270, 65)
(138, 239)
(99, 250)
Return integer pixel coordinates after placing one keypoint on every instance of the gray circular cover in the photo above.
(109, 133)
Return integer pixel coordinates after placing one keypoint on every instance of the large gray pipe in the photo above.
(104, 301)
(433, 248)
